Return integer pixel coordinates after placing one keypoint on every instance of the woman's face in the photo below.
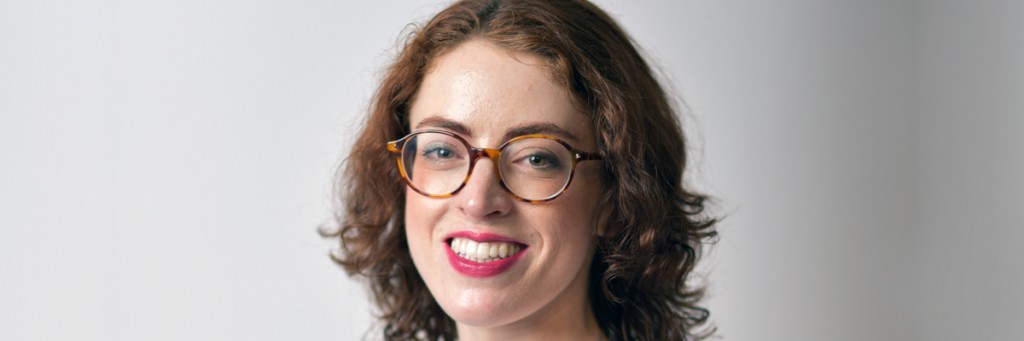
(483, 93)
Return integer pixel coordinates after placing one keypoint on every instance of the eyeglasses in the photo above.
(533, 168)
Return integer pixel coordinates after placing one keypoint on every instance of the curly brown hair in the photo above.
(657, 226)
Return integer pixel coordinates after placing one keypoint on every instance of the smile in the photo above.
(482, 254)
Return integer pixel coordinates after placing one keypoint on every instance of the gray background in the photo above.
(164, 165)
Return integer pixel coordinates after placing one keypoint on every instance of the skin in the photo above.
(488, 91)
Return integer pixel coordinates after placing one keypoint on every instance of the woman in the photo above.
(520, 177)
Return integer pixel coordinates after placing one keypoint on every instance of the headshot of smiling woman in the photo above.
(520, 176)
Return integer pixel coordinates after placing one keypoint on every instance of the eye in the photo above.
(538, 160)
(542, 160)
(438, 152)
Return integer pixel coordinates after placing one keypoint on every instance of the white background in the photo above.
(164, 166)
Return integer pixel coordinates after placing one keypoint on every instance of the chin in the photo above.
(482, 310)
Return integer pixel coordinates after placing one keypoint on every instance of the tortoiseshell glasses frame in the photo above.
(398, 147)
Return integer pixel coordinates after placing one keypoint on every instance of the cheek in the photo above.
(419, 212)
(571, 223)
(420, 216)
(413, 211)
(581, 207)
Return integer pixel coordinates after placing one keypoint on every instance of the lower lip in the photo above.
(482, 270)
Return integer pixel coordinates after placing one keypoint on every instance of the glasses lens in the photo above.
(435, 164)
(536, 168)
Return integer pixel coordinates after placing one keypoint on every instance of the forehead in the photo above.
(491, 91)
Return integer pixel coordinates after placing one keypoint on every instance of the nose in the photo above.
(483, 198)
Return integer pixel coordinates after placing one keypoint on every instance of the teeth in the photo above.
(483, 252)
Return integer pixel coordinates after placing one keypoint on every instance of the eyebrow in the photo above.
(527, 129)
(444, 123)
(539, 128)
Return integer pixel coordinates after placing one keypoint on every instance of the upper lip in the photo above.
(482, 237)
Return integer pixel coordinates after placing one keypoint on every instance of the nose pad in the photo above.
(483, 196)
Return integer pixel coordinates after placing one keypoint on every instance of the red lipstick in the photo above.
(482, 269)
